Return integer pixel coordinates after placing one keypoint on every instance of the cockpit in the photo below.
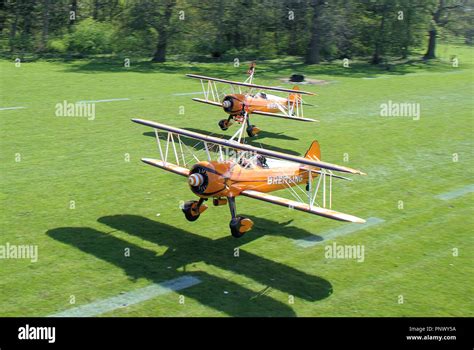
(257, 161)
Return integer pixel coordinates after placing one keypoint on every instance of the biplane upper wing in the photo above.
(328, 213)
(244, 147)
(255, 86)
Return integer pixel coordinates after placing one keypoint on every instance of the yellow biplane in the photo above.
(225, 169)
(247, 98)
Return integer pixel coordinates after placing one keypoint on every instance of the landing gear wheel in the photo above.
(191, 210)
(223, 124)
(252, 130)
(240, 225)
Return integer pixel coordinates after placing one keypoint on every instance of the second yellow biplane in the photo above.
(225, 169)
(247, 98)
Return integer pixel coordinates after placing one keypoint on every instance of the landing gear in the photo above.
(239, 225)
(225, 123)
(193, 209)
(252, 130)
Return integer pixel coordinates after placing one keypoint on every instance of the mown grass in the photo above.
(81, 250)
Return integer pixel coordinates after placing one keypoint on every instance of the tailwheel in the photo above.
(240, 225)
(224, 124)
(192, 209)
(252, 130)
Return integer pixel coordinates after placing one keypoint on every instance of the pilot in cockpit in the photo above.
(258, 161)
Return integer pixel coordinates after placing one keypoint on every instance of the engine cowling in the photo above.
(232, 104)
(207, 179)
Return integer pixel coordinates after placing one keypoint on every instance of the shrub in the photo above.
(91, 37)
(57, 45)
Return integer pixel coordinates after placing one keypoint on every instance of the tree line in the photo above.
(317, 30)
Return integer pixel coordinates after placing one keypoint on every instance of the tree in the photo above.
(145, 14)
(409, 28)
(384, 13)
(314, 48)
(245, 29)
(44, 34)
(440, 17)
(162, 27)
(73, 15)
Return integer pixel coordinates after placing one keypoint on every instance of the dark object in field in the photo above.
(297, 78)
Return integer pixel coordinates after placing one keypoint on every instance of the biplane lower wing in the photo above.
(167, 166)
(267, 114)
(328, 213)
(284, 116)
(209, 102)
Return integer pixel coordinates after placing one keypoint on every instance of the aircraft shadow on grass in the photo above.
(253, 142)
(186, 249)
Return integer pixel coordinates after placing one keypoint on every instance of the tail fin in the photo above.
(314, 151)
(294, 98)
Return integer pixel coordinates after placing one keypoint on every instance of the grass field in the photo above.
(49, 161)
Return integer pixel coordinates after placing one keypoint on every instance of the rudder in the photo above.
(293, 97)
(314, 151)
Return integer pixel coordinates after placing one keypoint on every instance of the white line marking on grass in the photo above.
(456, 193)
(188, 93)
(130, 298)
(341, 231)
(377, 77)
(9, 108)
(106, 100)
